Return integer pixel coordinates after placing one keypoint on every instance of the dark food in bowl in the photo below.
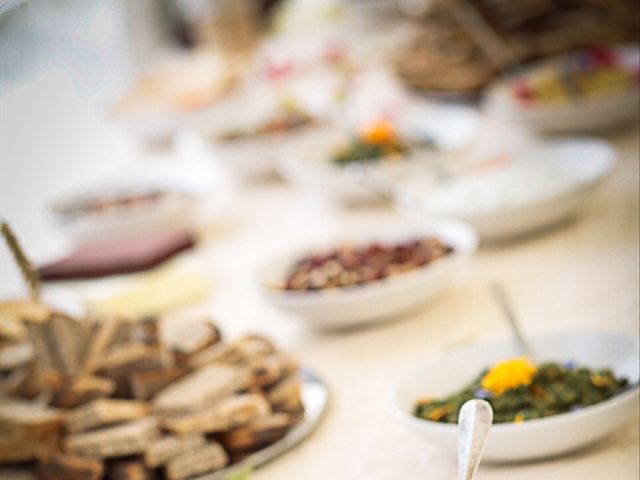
(349, 266)
(518, 391)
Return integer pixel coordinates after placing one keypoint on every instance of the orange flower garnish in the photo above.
(508, 375)
(379, 132)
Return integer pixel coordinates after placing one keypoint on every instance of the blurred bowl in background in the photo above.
(538, 187)
(179, 90)
(430, 129)
(123, 211)
(166, 192)
(585, 91)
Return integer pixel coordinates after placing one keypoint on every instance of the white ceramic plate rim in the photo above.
(405, 194)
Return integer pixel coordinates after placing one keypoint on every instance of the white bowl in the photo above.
(175, 214)
(377, 300)
(586, 162)
(537, 438)
(308, 160)
(578, 115)
(191, 181)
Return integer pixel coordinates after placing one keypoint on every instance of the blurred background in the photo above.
(88, 87)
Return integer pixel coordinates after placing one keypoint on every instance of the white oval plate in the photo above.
(578, 115)
(377, 300)
(531, 439)
(586, 161)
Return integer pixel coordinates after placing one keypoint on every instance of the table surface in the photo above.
(582, 276)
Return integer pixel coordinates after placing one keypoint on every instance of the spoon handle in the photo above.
(502, 298)
(474, 422)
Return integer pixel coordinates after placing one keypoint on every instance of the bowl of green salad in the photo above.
(361, 157)
(581, 387)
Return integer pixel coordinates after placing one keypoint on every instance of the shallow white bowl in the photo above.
(377, 300)
(173, 215)
(587, 161)
(308, 162)
(170, 214)
(577, 116)
(531, 439)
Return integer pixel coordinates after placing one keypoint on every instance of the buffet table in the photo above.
(582, 276)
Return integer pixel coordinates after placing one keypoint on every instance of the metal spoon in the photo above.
(474, 422)
(502, 298)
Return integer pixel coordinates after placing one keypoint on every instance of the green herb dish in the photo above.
(376, 141)
(519, 391)
(358, 151)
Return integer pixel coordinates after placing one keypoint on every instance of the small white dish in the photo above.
(508, 206)
(377, 300)
(176, 208)
(308, 162)
(532, 439)
(578, 115)
(174, 212)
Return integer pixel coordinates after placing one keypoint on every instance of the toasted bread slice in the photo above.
(201, 460)
(193, 339)
(129, 469)
(123, 360)
(201, 388)
(164, 449)
(64, 467)
(259, 433)
(102, 412)
(228, 413)
(144, 384)
(120, 440)
(254, 345)
(80, 390)
(28, 430)
(219, 352)
(286, 393)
